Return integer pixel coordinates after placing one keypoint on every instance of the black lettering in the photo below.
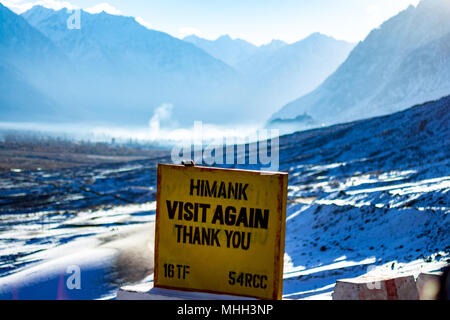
(206, 236)
(263, 282)
(242, 218)
(218, 215)
(261, 221)
(228, 233)
(187, 234)
(250, 219)
(204, 207)
(222, 191)
(196, 238)
(230, 217)
(231, 277)
(248, 279)
(232, 191)
(195, 211)
(255, 281)
(171, 209)
(210, 192)
(236, 239)
(188, 211)
(178, 232)
(215, 237)
(240, 279)
(245, 247)
(180, 210)
(242, 191)
(193, 187)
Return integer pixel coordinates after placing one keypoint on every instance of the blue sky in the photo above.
(257, 21)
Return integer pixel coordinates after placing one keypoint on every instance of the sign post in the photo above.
(220, 231)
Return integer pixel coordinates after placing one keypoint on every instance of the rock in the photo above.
(376, 288)
(428, 285)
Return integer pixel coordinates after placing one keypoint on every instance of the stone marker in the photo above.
(376, 288)
(428, 285)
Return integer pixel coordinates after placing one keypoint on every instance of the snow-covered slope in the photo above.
(368, 196)
(403, 62)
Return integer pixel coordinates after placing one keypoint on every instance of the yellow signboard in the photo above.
(220, 230)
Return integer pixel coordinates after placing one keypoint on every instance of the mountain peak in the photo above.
(192, 37)
(318, 36)
(38, 11)
(224, 37)
(386, 72)
(273, 45)
(39, 7)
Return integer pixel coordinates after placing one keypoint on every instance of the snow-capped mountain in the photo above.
(403, 62)
(230, 51)
(272, 46)
(278, 72)
(285, 71)
(28, 63)
(117, 66)
(20, 42)
(116, 40)
(112, 65)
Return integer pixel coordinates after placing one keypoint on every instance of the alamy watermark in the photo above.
(260, 148)
(74, 20)
(74, 279)
(374, 285)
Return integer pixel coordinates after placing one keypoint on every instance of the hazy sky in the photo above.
(257, 21)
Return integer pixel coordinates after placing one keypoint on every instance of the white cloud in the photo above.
(187, 31)
(143, 22)
(106, 7)
(20, 6)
